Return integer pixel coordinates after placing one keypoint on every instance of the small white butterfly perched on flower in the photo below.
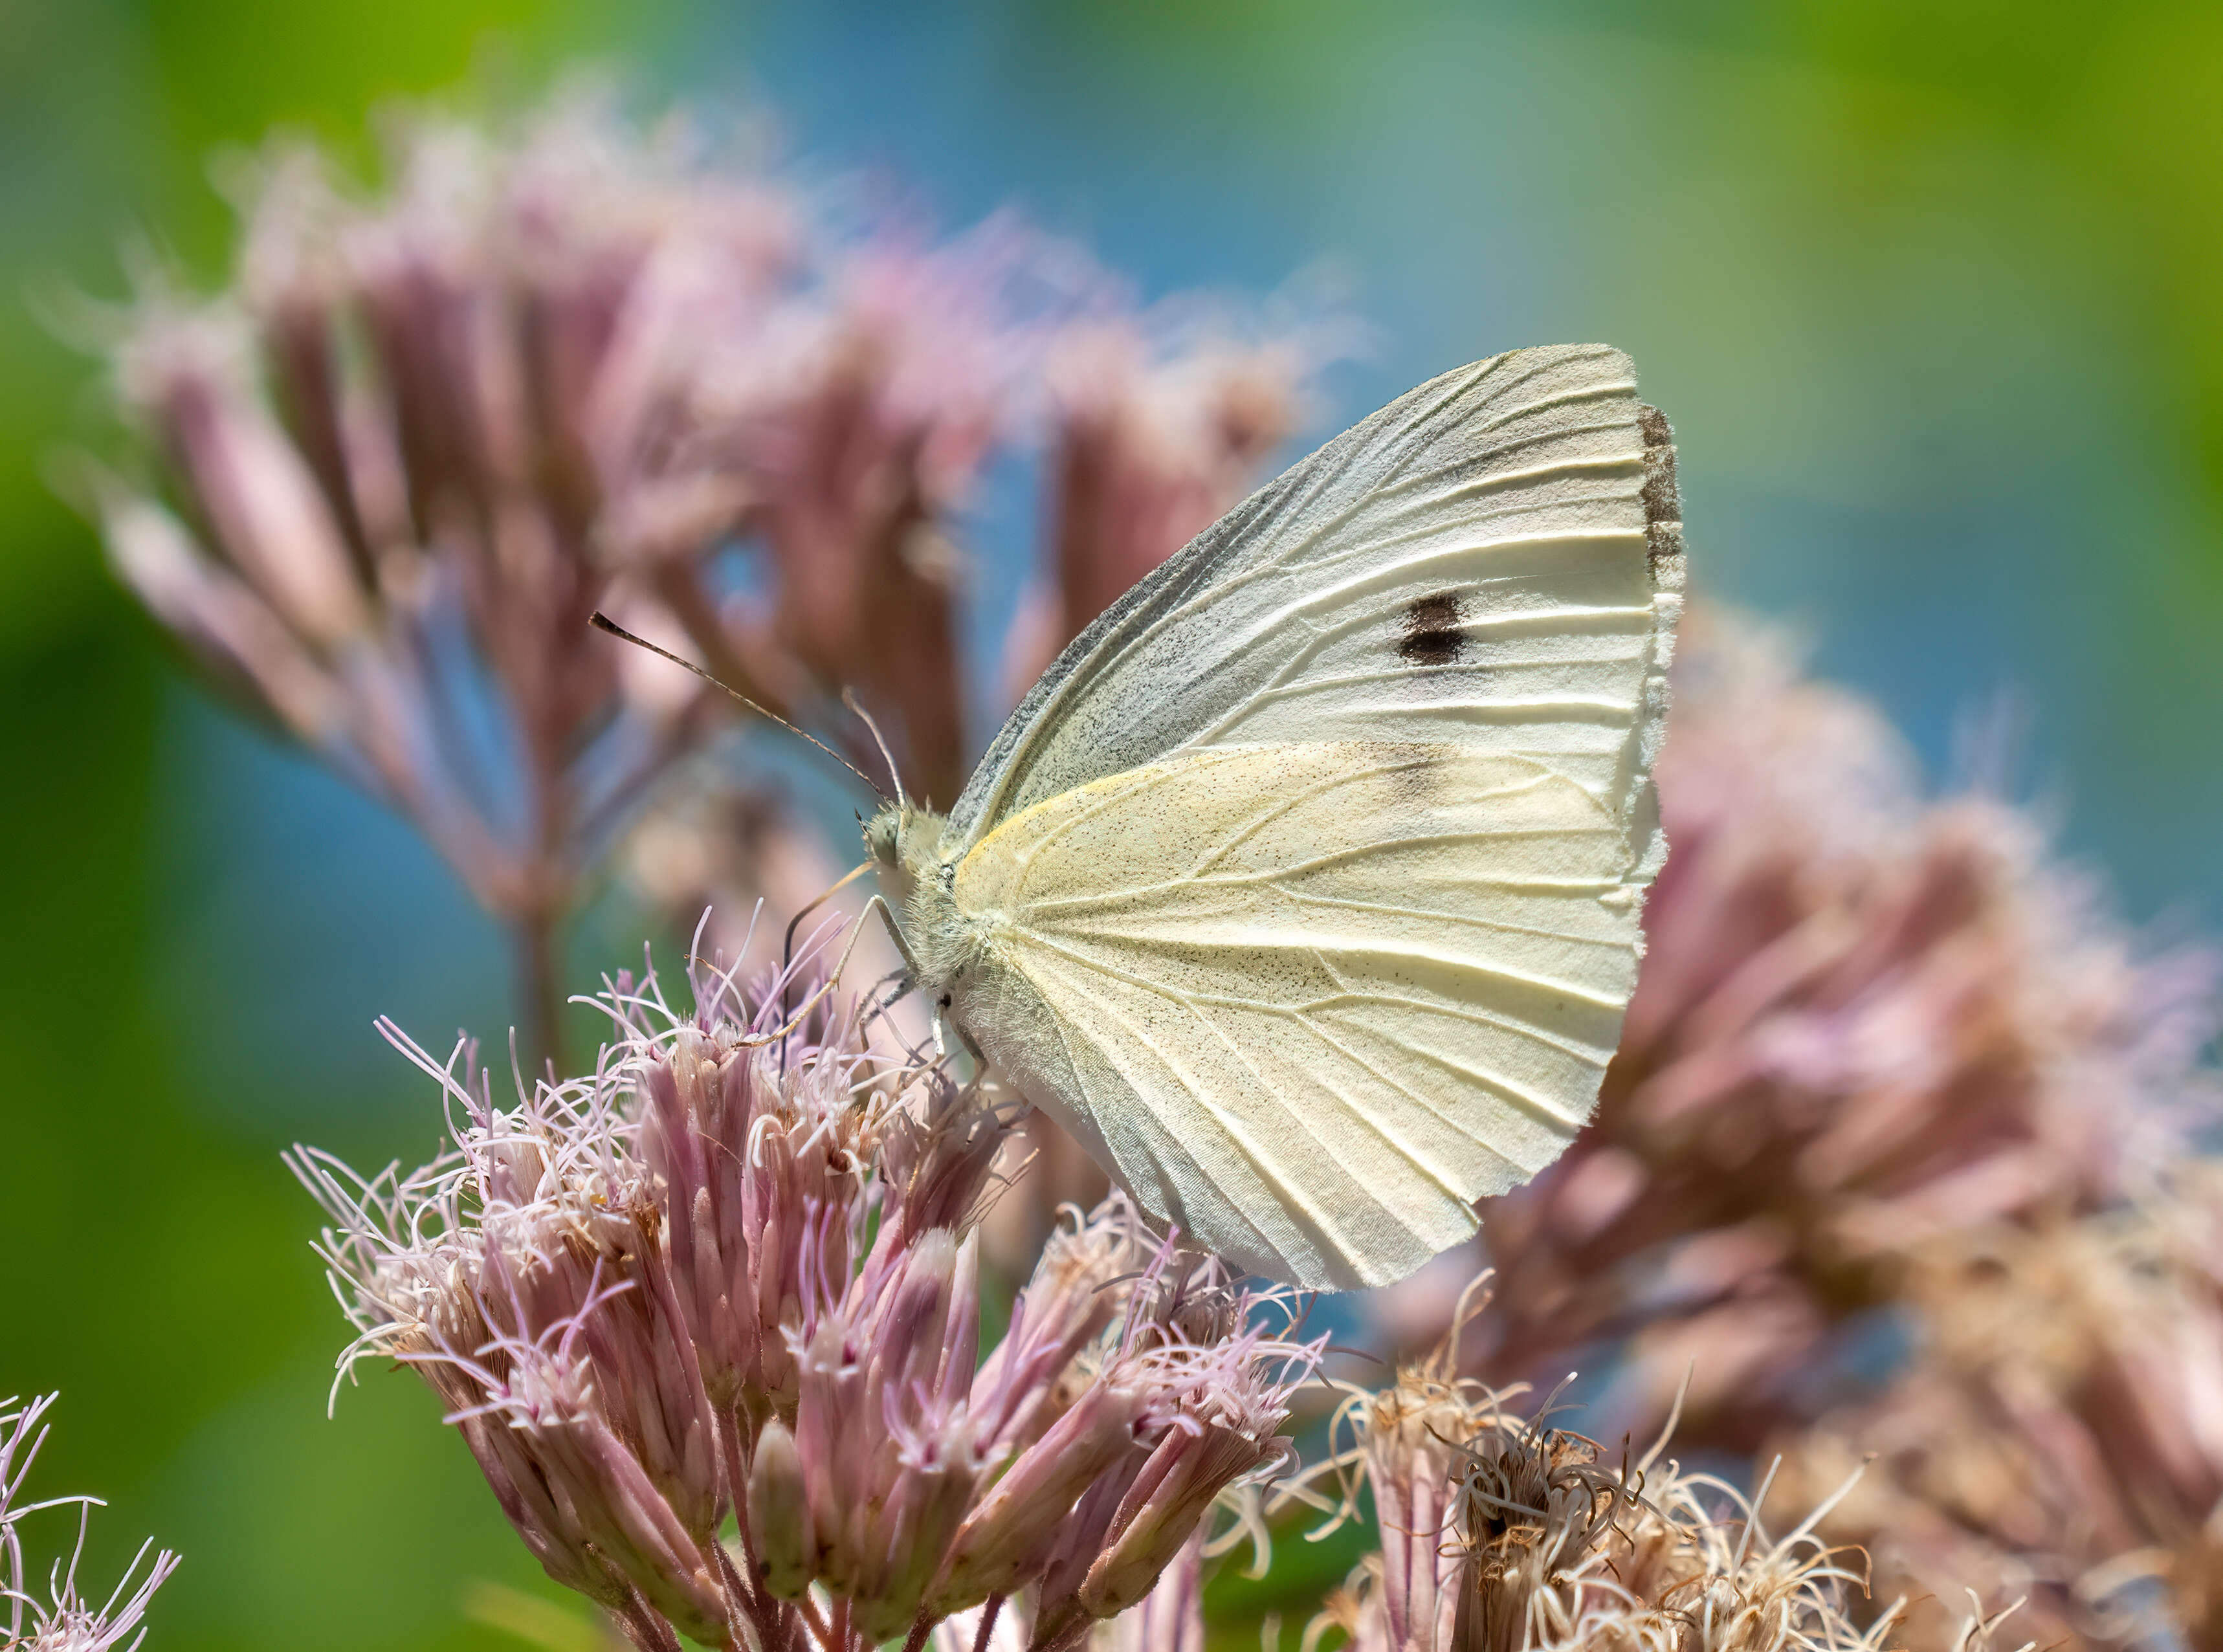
(1304, 887)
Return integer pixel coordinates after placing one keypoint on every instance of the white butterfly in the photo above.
(1304, 887)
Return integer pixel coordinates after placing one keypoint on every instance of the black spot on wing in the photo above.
(1662, 495)
(1432, 633)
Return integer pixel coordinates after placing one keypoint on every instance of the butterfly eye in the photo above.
(944, 1001)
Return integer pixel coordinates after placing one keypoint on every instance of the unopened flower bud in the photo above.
(1162, 1510)
(779, 1515)
(1018, 1524)
(905, 1545)
(1170, 1618)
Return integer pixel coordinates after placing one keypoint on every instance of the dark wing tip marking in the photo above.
(1662, 495)
(1434, 635)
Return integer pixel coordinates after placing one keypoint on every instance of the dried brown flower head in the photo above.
(1504, 1533)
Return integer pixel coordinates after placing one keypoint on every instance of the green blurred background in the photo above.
(1931, 292)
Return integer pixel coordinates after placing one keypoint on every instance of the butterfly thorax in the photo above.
(919, 882)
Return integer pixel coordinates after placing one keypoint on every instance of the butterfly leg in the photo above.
(878, 903)
(834, 976)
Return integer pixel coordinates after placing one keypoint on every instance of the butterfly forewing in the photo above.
(1475, 555)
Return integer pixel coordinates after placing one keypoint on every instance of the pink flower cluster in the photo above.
(732, 1283)
(1887, 1169)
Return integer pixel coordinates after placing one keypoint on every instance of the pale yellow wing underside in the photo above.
(1311, 999)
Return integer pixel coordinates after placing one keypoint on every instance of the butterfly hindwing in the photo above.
(1318, 996)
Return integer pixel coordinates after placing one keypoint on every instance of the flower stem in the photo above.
(776, 1624)
(987, 1622)
(646, 1629)
(539, 989)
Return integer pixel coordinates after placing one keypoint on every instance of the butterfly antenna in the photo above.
(603, 622)
(879, 740)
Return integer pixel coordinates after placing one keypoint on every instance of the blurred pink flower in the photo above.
(430, 428)
(1154, 431)
(1865, 1022)
(402, 460)
(856, 412)
(2058, 1436)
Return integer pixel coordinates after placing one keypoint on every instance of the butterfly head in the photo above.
(902, 840)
